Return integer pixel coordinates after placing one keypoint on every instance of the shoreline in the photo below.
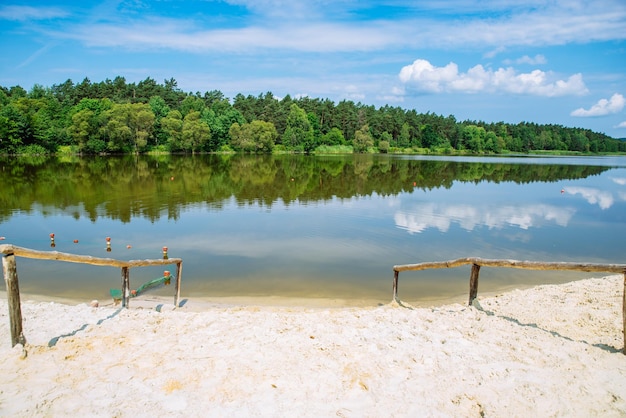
(550, 350)
(198, 303)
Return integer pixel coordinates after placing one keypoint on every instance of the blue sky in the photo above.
(543, 61)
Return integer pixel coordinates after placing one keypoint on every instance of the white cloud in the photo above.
(604, 107)
(622, 124)
(423, 76)
(24, 13)
(164, 33)
(537, 59)
(353, 92)
(538, 25)
(494, 52)
(279, 8)
(325, 26)
(36, 54)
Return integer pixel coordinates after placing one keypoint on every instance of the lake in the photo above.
(329, 227)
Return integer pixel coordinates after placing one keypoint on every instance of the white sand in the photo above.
(546, 351)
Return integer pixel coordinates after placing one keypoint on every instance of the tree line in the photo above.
(114, 116)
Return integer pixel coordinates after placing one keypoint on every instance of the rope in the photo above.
(150, 285)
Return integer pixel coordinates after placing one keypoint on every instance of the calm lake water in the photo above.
(311, 227)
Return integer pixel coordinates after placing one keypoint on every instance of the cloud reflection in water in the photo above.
(593, 196)
(468, 217)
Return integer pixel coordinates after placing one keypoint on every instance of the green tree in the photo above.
(299, 134)
(384, 142)
(195, 132)
(85, 122)
(116, 129)
(82, 128)
(404, 139)
(493, 143)
(315, 126)
(346, 119)
(220, 117)
(160, 110)
(474, 138)
(10, 138)
(146, 89)
(257, 136)
(333, 137)
(246, 105)
(191, 103)
(362, 139)
(65, 93)
(128, 126)
(172, 126)
(142, 123)
(430, 139)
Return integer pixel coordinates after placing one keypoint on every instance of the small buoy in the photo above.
(75, 241)
(562, 191)
(129, 246)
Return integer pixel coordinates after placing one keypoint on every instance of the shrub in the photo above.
(32, 149)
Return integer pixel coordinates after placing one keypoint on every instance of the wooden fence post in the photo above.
(624, 312)
(179, 271)
(474, 283)
(395, 285)
(125, 287)
(13, 297)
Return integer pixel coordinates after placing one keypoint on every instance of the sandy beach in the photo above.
(552, 350)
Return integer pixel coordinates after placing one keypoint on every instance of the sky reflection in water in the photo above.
(341, 247)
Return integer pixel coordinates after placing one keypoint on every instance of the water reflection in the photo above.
(308, 226)
(619, 180)
(431, 215)
(593, 196)
(154, 186)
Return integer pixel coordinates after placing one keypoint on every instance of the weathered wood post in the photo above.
(473, 292)
(179, 271)
(9, 269)
(624, 313)
(125, 287)
(395, 285)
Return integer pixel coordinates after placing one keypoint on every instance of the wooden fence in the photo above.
(9, 269)
(477, 263)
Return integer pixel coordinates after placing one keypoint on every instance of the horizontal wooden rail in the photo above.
(13, 293)
(477, 263)
(84, 259)
(528, 265)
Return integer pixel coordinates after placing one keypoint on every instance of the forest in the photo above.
(117, 117)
